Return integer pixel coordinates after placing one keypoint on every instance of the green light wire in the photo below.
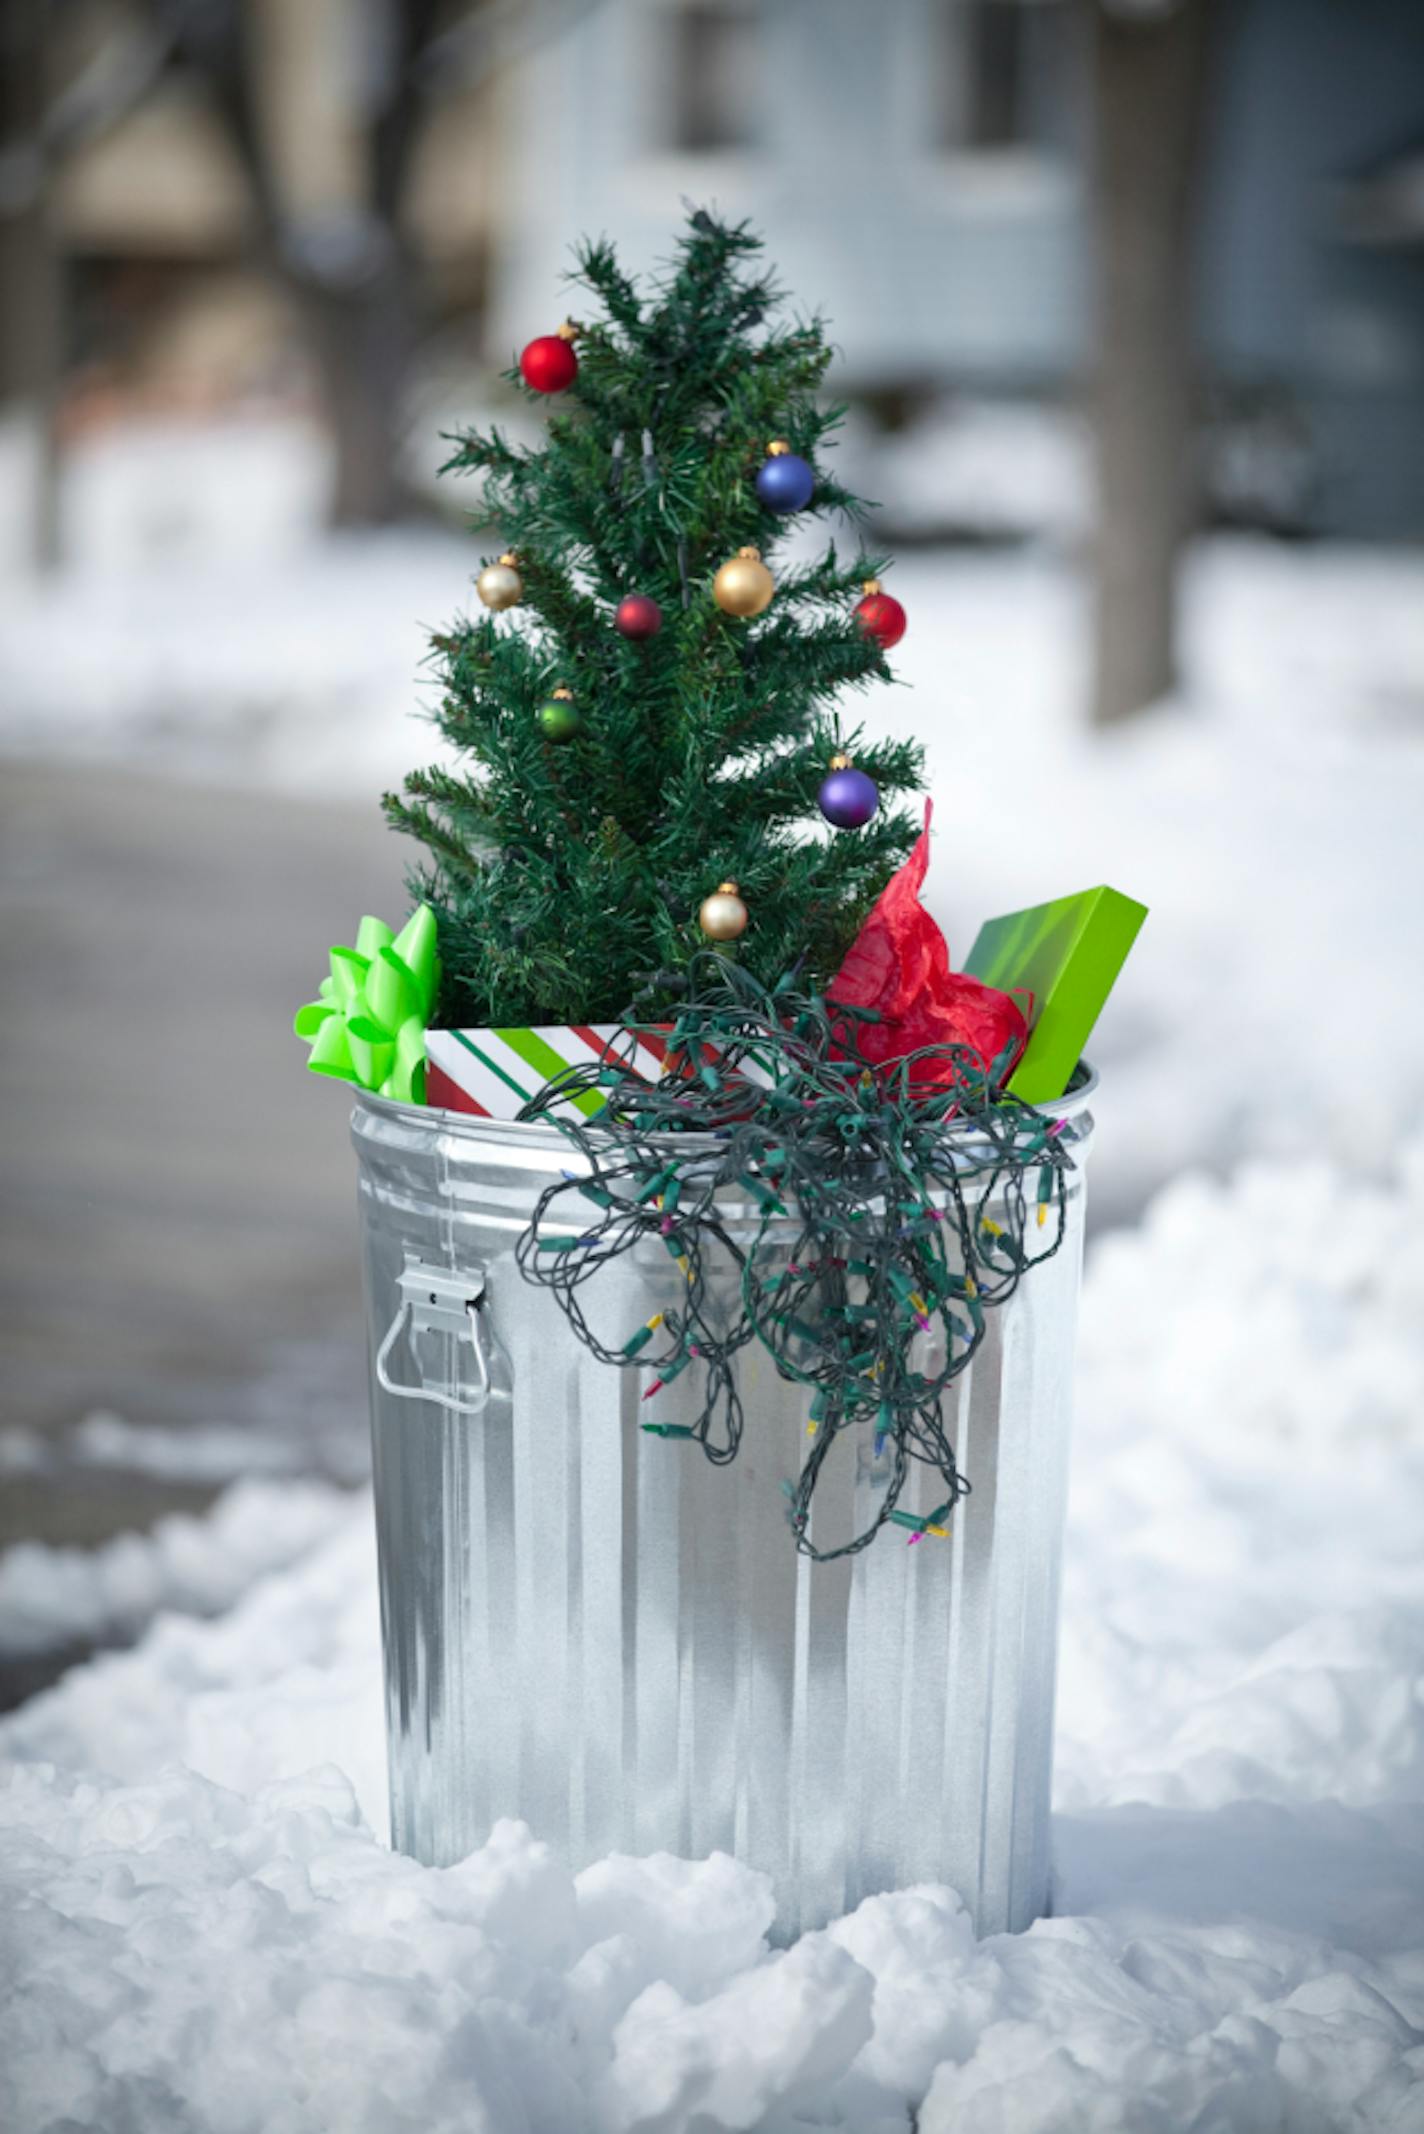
(835, 1212)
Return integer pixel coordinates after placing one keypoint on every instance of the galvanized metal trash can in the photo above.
(604, 1634)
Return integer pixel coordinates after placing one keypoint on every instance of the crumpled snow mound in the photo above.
(200, 1565)
(211, 1937)
(203, 1959)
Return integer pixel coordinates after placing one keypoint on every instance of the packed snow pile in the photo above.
(198, 1565)
(203, 1930)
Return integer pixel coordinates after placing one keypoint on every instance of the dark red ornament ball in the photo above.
(881, 616)
(637, 615)
(549, 364)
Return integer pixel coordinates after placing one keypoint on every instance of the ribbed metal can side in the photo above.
(608, 1636)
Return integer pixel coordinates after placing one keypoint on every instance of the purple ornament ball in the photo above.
(785, 482)
(848, 798)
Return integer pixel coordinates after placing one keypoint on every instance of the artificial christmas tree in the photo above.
(695, 683)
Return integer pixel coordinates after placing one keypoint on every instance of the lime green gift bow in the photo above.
(368, 1025)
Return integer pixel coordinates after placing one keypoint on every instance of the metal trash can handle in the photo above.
(438, 1300)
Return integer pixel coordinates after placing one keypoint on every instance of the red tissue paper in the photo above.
(898, 964)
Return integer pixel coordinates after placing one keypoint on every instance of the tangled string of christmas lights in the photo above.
(853, 1206)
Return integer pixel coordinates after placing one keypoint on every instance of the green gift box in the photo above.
(1067, 956)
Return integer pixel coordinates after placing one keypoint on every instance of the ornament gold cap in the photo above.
(509, 559)
(569, 331)
(750, 555)
(562, 695)
(777, 447)
(728, 889)
(870, 587)
(840, 761)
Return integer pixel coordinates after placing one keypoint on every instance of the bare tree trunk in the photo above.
(360, 311)
(363, 336)
(377, 320)
(1150, 74)
(31, 271)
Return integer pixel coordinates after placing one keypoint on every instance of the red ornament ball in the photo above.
(880, 615)
(637, 615)
(549, 365)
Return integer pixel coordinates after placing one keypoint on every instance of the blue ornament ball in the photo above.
(848, 798)
(785, 482)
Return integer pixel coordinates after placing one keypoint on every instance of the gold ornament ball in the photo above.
(723, 916)
(499, 585)
(744, 585)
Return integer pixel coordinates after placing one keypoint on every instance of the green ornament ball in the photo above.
(559, 716)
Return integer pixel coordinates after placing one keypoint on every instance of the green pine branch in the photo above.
(563, 873)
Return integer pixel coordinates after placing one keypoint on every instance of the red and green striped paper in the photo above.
(494, 1073)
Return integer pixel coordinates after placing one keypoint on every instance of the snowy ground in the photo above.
(210, 1935)
(202, 1931)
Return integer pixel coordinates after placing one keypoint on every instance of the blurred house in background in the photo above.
(1312, 290)
(243, 203)
(917, 167)
(923, 168)
(359, 208)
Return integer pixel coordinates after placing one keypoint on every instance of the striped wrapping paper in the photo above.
(494, 1073)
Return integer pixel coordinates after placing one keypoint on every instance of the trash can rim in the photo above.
(529, 1133)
